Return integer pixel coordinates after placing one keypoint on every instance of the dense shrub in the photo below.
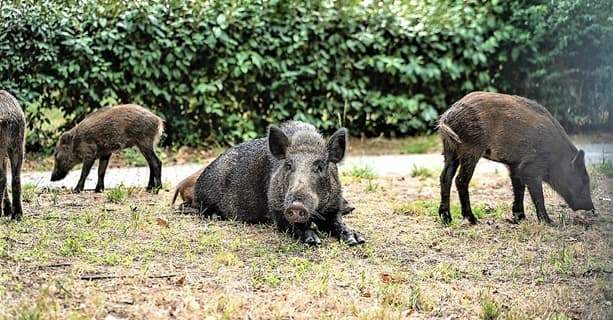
(220, 71)
(562, 56)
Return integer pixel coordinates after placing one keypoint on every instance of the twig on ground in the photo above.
(55, 265)
(13, 240)
(110, 276)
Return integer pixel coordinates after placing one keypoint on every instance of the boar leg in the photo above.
(155, 168)
(4, 190)
(301, 232)
(519, 189)
(337, 228)
(446, 179)
(87, 166)
(16, 162)
(102, 165)
(467, 168)
(535, 187)
(7, 202)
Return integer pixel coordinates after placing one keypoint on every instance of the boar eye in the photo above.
(288, 165)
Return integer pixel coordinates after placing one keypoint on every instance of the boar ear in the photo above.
(336, 146)
(277, 142)
(66, 138)
(579, 158)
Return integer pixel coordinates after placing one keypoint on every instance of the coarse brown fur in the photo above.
(104, 132)
(186, 189)
(519, 133)
(12, 146)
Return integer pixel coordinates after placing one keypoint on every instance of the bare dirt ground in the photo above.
(125, 254)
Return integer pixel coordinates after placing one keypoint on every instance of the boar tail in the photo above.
(447, 132)
(160, 130)
(174, 197)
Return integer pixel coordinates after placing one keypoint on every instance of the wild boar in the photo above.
(519, 133)
(289, 178)
(103, 132)
(12, 146)
(186, 189)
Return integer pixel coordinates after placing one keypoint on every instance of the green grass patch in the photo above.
(422, 172)
(28, 192)
(604, 167)
(117, 194)
(490, 310)
(430, 208)
(372, 186)
(444, 271)
(422, 144)
(562, 259)
(485, 210)
(360, 172)
(418, 208)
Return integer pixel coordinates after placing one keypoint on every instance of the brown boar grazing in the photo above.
(186, 189)
(519, 133)
(103, 132)
(12, 141)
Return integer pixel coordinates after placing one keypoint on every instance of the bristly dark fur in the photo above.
(104, 132)
(519, 133)
(249, 183)
(12, 147)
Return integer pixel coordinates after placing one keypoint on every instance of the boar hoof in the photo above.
(445, 216)
(17, 216)
(472, 220)
(517, 217)
(352, 238)
(99, 189)
(77, 190)
(6, 210)
(311, 238)
(154, 190)
(548, 221)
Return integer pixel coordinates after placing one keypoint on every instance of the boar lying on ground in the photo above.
(290, 178)
(106, 131)
(519, 133)
(12, 140)
(186, 189)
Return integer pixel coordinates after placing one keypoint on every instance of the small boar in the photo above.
(12, 146)
(289, 178)
(186, 189)
(103, 132)
(519, 133)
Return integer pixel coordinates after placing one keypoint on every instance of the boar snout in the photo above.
(297, 213)
(587, 205)
(57, 175)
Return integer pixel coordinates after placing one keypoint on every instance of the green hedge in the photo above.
(562, 56)
(220, 72)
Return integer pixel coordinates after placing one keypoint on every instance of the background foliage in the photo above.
(220, 71)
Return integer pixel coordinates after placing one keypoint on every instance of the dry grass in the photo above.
(164, 265)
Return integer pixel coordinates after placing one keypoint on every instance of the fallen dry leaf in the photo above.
(162, 222)
(180, 281)
(386, 278)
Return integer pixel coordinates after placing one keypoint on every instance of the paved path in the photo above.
(382, 165)
(388, 165)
